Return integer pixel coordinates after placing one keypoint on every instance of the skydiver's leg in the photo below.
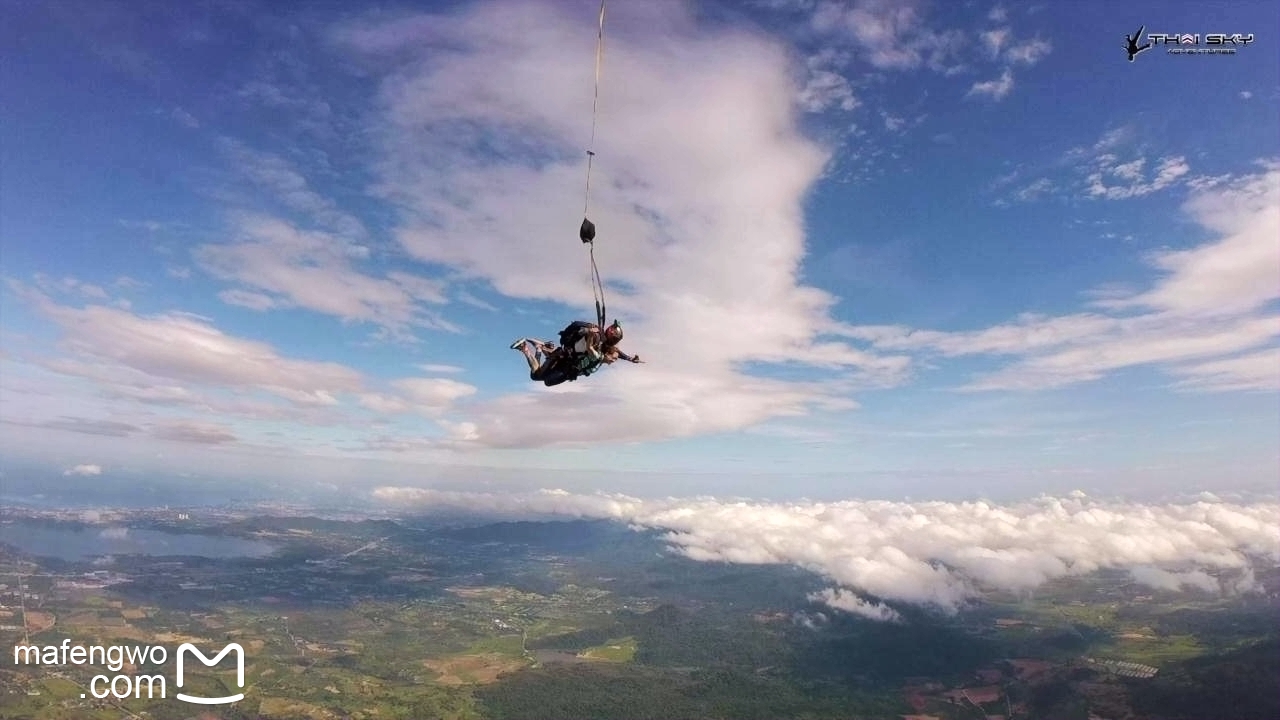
(534, 364)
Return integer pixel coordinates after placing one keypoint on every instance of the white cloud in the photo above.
(1037, 189)
(148, 225)
(488, 181)
(69, 285)
(1167, 173)
(995, 41)
(937, 554)
(384, 404)
(891, 35)
(139, 371)
(1110, 141)
(191, 432)
(178, 348)
(1252, 371)
(1112, 168)
(184, 118)
(287, 184)
(246, 299)
(84, 470)
(433, 392)
(1102, 165)
(313, 113)
(437, 368)
(826, 88)
(317, 271)
(1209, 305)
(1029, 52)
(842, 599)
(997, 89)
(1245, 95)
(1238, 273)
(1175, 581)
(1130, 170)
(1157, 340)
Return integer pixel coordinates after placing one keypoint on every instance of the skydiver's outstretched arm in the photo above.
(615, 354)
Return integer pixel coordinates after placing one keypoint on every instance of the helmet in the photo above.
(613, 333)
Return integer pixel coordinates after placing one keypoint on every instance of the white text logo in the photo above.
(239, 651)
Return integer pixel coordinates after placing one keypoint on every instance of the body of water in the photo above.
(551, 657)
(71, 543)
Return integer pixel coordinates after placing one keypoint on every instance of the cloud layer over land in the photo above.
(934, 554)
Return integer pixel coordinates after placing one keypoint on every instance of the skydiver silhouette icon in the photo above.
(1133, 48)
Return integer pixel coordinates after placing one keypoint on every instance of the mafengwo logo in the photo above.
(193, 650)
(125, 686)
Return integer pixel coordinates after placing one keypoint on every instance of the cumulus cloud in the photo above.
(129, 366)
(84, 470)
(1116, 167)
(1235, 274)
(890, 35)
(1168, 172)
(841, 599)
(1208, 318)
(1174, 581)
(1251, 371)
(69, 286)
(826, 87)
(1001, 48)
(995, 41)
(186, 348)
(936, 554)
(109, 428)
(246, 299)
(184, 118)
(896, 36)
(438, 368)
(317, 271)
(125, 366)
(311, 112)
(486, 182)
(286, 183)
(1029, 52)
(190, 432)
(1039, 188)
(433, 392)
(996, 89)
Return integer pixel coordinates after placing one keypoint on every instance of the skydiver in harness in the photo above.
(583, 348)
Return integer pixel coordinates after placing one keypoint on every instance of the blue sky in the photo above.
(963, 245)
